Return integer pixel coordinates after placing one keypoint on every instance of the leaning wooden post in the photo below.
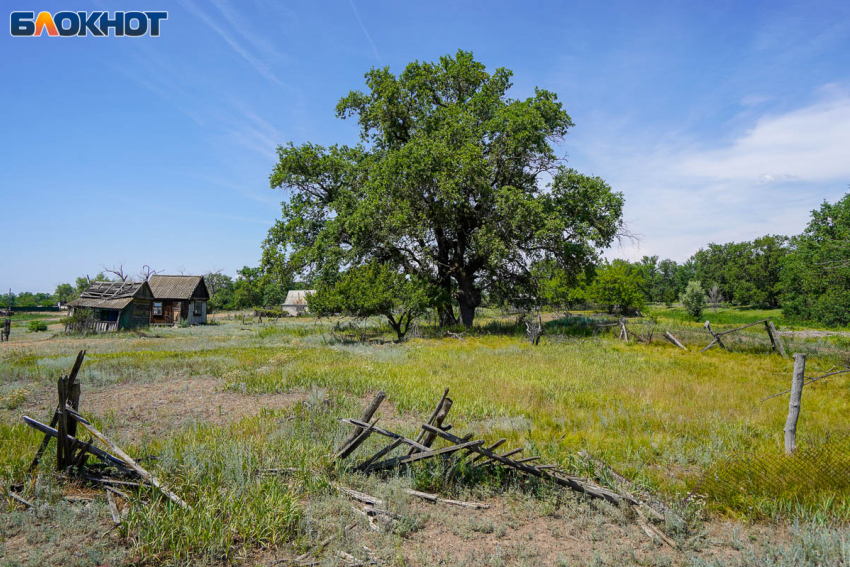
(794, 403)
(775, 341)
(365, 418)
(430, 437)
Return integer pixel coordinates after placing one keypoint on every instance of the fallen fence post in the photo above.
(445, 406)
(358, 440)
(794, 403)
(433, 416)
(669, 336)
(716, 338)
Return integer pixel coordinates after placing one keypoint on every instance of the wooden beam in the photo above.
(445, 406)
(364, 466)
(669, 336)
(433, 416)
(72, 378)
(385, 433)
(357, 441)
(720, 334)
(775, 339)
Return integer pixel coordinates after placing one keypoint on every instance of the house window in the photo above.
(199, 309)
(157, 307)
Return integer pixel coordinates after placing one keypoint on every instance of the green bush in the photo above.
(35, 326)
(693, 299)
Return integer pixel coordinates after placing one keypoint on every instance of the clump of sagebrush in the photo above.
(12, 399)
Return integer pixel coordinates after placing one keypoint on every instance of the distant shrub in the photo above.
(35, 326)
(693, 299)
(13, 398)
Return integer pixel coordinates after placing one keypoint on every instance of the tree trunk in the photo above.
(446, 314)
(468, 298)
(467, 314)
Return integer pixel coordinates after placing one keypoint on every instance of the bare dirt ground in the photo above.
(519, 533)
(150, 409)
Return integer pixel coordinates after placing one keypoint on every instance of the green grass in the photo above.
(659, 415)
(724, 315)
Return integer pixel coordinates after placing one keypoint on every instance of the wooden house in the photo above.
(177, 298)
(113, 306)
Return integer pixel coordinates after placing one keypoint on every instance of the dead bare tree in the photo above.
(533, 329)
(146, 273)
(117, 272)
(715, 298)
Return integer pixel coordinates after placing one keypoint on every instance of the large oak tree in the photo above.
(453, 182)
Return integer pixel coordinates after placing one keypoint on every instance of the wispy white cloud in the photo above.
(681, 195)
(248, 32)
(255, 62)
(811, 144)
(366, 32)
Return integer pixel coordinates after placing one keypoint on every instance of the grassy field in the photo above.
(211, 406)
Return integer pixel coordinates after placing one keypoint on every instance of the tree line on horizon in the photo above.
(807, 276)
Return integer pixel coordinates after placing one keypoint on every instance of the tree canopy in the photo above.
(816, 274)
(618, 287)
(370, 290)
(453, 183)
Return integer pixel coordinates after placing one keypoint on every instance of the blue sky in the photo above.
(718, 121)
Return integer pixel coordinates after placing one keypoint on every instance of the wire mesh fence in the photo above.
(817, 472)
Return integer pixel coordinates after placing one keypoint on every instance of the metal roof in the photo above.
(178, 287)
